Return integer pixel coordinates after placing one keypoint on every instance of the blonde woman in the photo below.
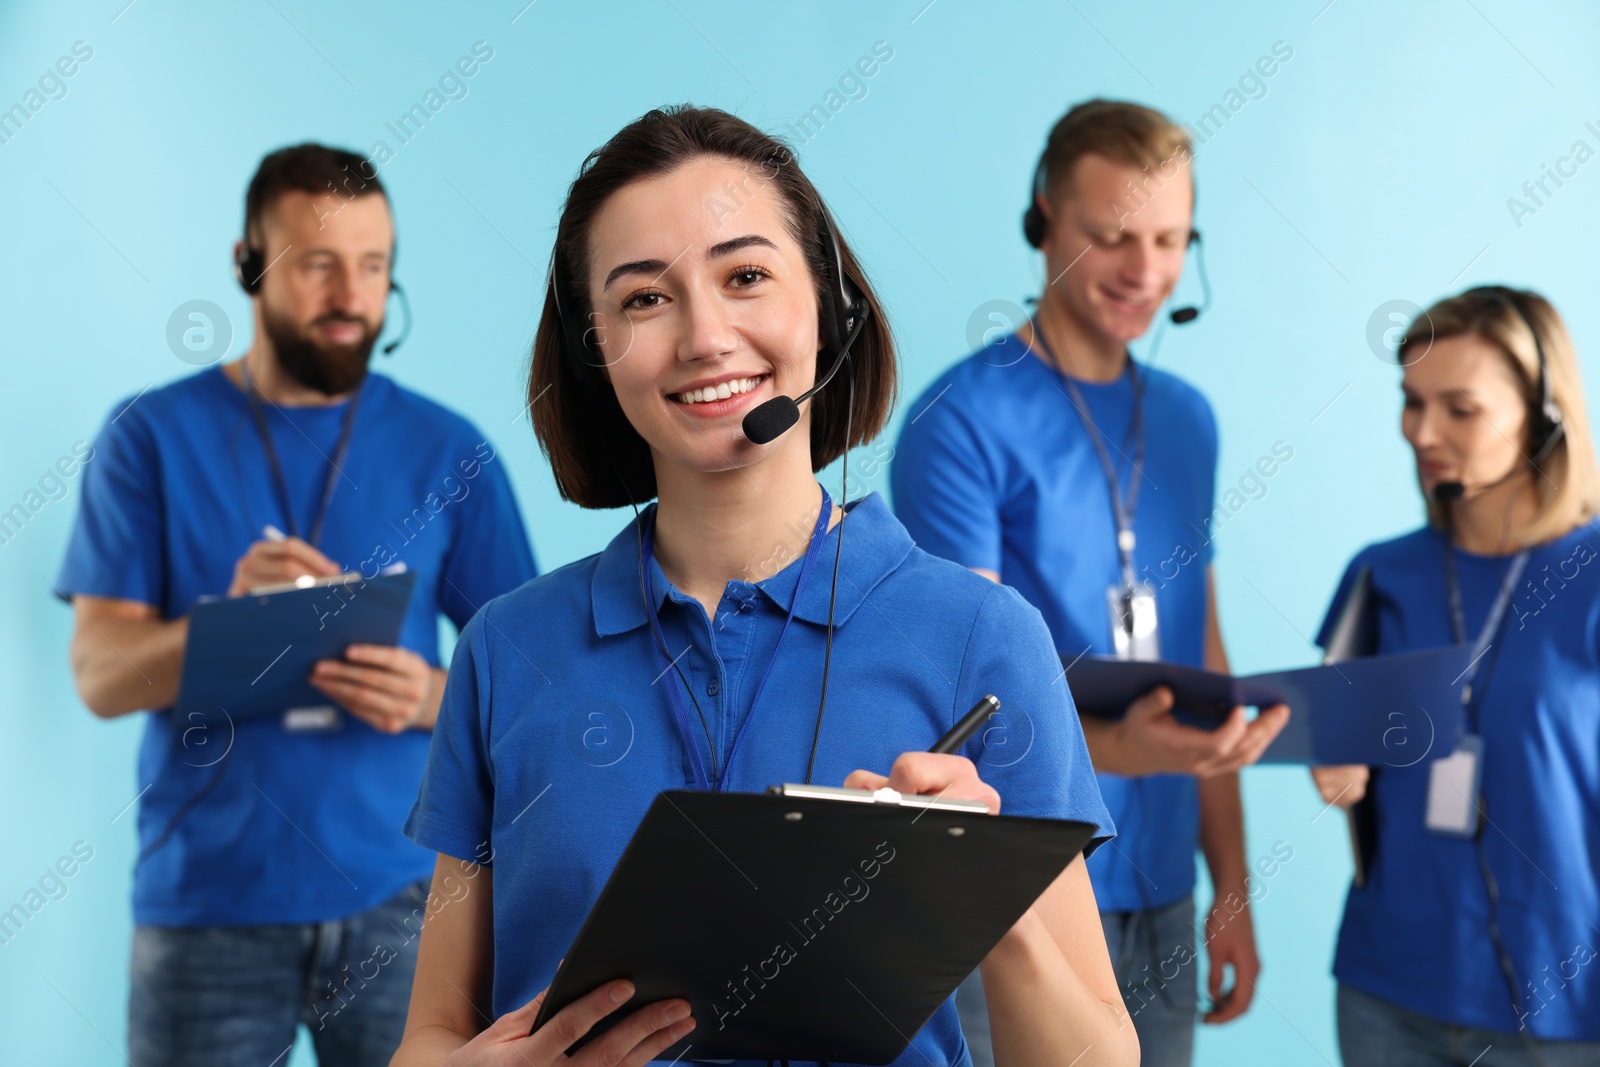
(1474, 938)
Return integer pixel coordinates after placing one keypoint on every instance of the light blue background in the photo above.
(1376, 167)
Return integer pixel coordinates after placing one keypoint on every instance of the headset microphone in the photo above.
(1445, 492)
(844, 311)
(772, 419)
(405, 309)
(1182, 315)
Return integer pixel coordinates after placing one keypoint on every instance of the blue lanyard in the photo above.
(1472, 691)
(1121, 510)
(335, 465)
(679, 711)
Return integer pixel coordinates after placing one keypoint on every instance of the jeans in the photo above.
(1375, 1033)
(233, 996)
(1155, 959)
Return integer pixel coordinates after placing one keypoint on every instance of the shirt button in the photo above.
(712, 688)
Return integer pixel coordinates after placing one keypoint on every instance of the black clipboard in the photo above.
(808, 923)
(251, 655)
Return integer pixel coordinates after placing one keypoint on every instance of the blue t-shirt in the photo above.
(995, 470)
(554, 737)
(299, 827)
(1417, 933)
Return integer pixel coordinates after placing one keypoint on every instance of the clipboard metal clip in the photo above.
(877, 796)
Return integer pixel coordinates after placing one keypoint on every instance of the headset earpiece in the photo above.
(248, 267)
(1547, 426)
(1034, 223)
(842, 306)
(405, 308)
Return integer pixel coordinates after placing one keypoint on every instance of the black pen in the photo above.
(962, 731)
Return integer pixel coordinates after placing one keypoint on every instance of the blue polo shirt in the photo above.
(995, 469)
(554, 737)
(297, 827)
(1417, 933)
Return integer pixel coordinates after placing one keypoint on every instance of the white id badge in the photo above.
(1453, 790)
(1137, 604)
(315, 720)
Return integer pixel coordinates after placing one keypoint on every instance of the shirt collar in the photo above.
(614, 592)
(878, 545)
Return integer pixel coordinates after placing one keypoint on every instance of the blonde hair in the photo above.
(1568, 481)
(1130, 134)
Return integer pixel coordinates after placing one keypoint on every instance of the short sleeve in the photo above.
(117, 547)
(946, 493)
(1032, 752)
(454, 812)
(490, 554)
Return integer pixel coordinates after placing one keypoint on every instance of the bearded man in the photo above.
(274, 887)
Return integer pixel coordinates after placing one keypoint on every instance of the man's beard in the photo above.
(329, 369)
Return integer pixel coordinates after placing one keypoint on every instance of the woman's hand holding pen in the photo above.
(938, 772)
(633, 1042)
(931, 774)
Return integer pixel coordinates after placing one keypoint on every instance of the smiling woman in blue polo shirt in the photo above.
(692, 259)
(1474, 939)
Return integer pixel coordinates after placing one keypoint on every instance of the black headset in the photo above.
(249, 267)
(1035, 226)
(1034, 223)
(1546, 428)
(843, 311)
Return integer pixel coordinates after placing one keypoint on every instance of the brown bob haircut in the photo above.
(599, 460)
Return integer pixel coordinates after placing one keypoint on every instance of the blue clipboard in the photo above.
(1391, 710)
(251, 656)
